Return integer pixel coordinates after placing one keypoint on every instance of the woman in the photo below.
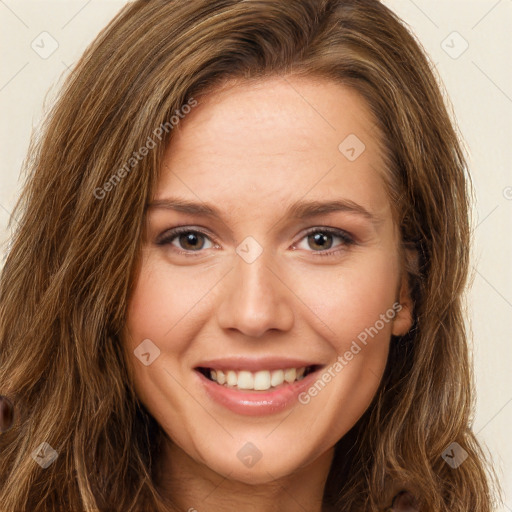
(239, 269)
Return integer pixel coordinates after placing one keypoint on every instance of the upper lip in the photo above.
(255, 364)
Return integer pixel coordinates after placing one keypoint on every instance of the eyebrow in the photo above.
(300, 210)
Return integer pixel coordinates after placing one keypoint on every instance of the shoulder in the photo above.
(404, 501)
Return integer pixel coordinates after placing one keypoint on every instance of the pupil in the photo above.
(190, 239)
(321, 239)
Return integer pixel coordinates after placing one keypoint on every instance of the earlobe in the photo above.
(405, 316)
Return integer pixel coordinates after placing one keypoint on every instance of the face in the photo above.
(270, 281)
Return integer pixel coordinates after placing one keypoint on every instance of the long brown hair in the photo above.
(68, 276)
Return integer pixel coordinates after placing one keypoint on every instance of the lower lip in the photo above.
(257, 403)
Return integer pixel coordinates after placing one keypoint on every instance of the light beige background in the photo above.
(478, 81)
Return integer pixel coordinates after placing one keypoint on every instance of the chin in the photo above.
(239, 467)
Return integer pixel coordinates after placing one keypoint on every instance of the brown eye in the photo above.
(320, 240)
(191, 241)
(185, 240)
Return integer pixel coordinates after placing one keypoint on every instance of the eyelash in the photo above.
(347, 240)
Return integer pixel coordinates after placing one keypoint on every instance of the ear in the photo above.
(404, 318)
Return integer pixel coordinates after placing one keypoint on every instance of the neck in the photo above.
(193, 487)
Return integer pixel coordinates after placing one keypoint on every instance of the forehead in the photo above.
(274, 140)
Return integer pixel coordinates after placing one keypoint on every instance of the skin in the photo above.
(251, 150)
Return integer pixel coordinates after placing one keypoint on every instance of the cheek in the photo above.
(165, 303)
(163, 308)
(351, 299)
(354, 310)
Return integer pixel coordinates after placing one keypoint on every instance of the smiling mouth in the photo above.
(261, 380)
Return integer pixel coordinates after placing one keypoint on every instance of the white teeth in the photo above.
(290, 374)
(221, 377)
(277, 378)
(231, 378)
(260, 380)
(245, 380)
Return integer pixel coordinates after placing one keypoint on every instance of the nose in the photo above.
(255, 299)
